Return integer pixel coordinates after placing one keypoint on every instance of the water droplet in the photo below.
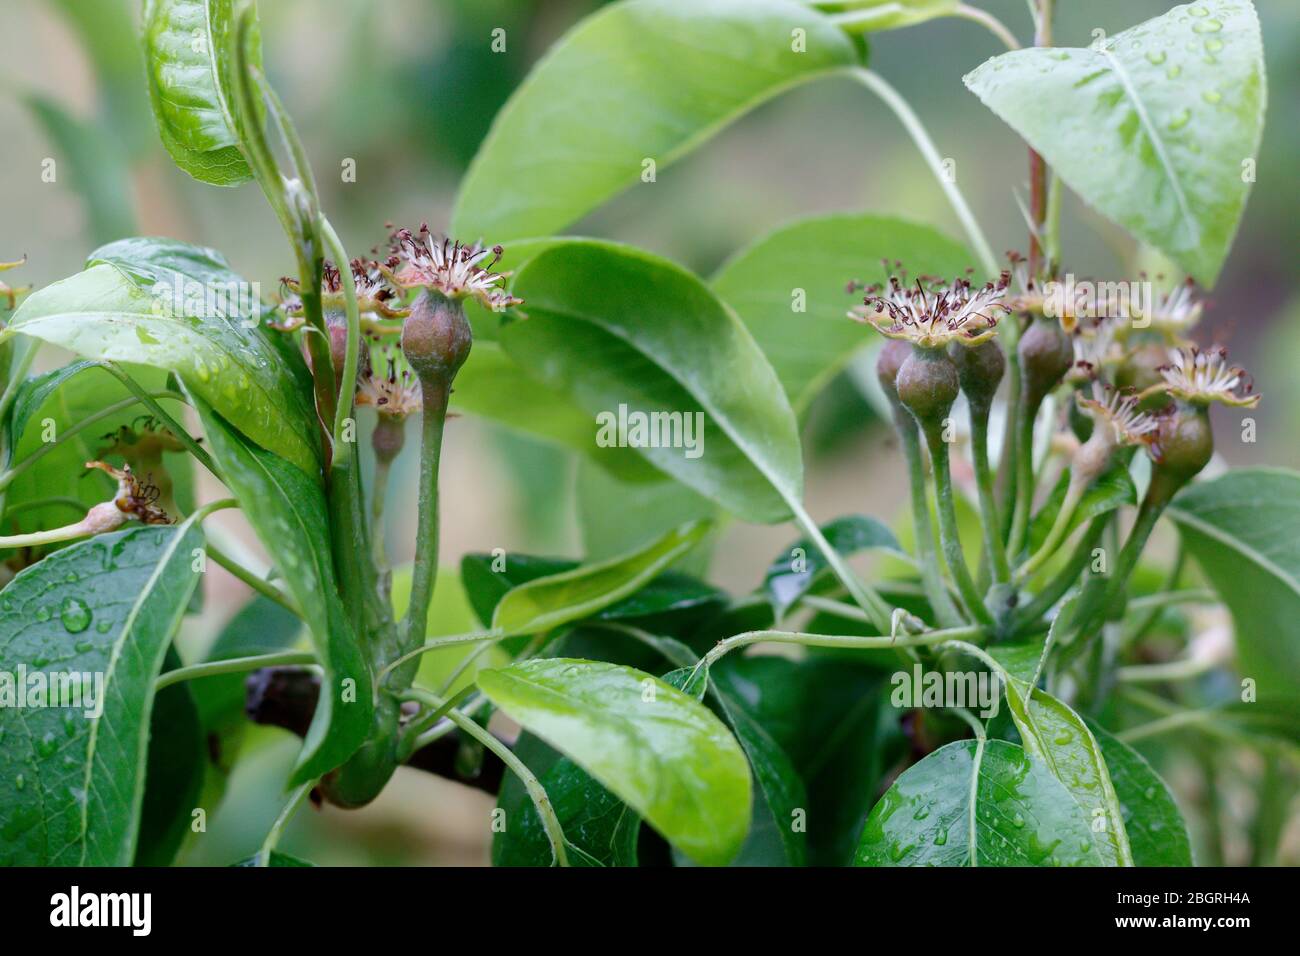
(75, 615)
(1213, 45)
(201, 370)
(42, 614)
(1018, 821)
(19, 782)
(1199, 12)
(1155, 57)
(84, 647)
(1180, 119)
(47, 745)
(1212, 96)
(1062, 738)
(941, 838)
(1207, 26)
(103, 626)
(1174, 72)
(71, 577)
(1149, 793)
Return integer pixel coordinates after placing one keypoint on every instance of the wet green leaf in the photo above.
(173, 306)
(1057, 736)
(1156, 127)
(1022, 815)
(1156, 830)
(72, 785)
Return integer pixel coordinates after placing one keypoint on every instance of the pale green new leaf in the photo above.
(1157, 127)
(549, 602)
(1058, 736)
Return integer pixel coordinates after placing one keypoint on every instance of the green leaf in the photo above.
(1021, 659)
(1057, 736)
(492, 385)
(789, 288)
(1022, 815)
(548, 602)
(1113, 489)
(841, 734)
(173, 306)
(95, 167)
(627, 335)
(1153, 126)
(72, 786)
(641, 79)
(797, 569)
(656, 748)
(1244, 531)
(1156, 830)
(187, 50)
(598, 827)
(287, 510)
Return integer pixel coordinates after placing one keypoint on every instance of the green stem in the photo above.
(1156, 602)
(996, 553)
(1024, 477)
(1154, 608)
(1185, 669)
(1065, 579)
(258, 584)
(936, 591)
(236, 665)
(277, 828)
(988, 21)
(1008, 464)
(550, 821)
(863, 594)
(847, 641)
(347, 387)
(425, 570)
(912, 123)
(1060, 529)
(948, 534)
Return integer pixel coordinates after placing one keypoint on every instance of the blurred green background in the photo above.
(407, 89)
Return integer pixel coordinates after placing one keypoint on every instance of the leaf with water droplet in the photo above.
(1022, 816)
(1135, 147)
(75, 757)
